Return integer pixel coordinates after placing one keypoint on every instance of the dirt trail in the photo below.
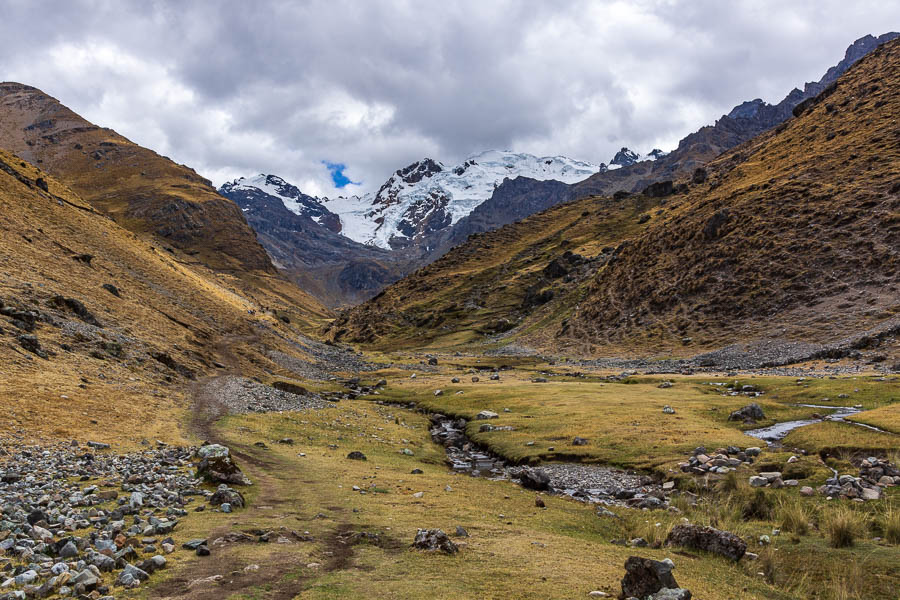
(222, 574)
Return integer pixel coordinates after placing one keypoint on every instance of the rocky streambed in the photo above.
(588, 483)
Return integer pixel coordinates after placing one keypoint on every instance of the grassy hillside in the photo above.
(794, 235)
(499, 280)
(141, 190)
(123, 325)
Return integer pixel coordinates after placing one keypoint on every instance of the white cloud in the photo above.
(234, 88)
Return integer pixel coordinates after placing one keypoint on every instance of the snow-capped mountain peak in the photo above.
(427, 195)
(626, 157)
(293, 199)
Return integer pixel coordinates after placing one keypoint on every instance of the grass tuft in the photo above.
(842, 526)
(794, 515)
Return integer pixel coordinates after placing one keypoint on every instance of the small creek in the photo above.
(595, 484)
(773, 434)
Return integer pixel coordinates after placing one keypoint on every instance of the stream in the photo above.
(594, 484)
(773, 434)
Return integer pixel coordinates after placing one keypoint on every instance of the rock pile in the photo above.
(879, 471)
(850, 487)
(69, 514)
(723, 460)
(434, 540)
(772, 479)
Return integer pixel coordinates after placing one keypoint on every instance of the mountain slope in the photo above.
(121, 326)
(744, 122)
(523, 276)
(629, 171)
(794, 236)
(138, 188)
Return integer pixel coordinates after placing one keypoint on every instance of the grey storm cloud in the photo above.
(238, 88)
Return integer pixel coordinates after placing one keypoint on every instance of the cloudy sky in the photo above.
(300, 88)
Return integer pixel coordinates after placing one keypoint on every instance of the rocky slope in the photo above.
(742, 123)
(790, 237)
(141, 190)
(794, 235)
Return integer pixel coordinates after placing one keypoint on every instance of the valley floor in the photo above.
(337, 527)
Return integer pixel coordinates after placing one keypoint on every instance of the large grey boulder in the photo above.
(707, 539)
(534, 479)
(751, 412)
(217, 466)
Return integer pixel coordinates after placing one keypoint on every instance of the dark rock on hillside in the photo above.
(707, 539)
(645, 576)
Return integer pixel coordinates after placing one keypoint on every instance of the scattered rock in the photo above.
(434, 540)
(356, 455)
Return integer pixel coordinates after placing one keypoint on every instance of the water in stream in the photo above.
(773, 434)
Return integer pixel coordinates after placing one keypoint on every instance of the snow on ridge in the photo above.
(454, 191)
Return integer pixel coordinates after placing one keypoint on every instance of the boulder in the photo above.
(217, 466)
(356, 455)
(534, 479)
(227, 495)
(434, 540)
(645, 576)
(750, 412)
(487, 414)
(707, 539)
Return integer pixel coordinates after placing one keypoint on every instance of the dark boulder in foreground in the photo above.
(356, 455)
(707, 539)
(534, 479)
(648, 578)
